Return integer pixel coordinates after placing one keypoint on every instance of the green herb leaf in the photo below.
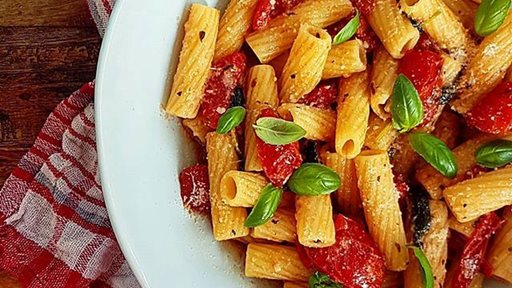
(428, 277)
(320, 280)
(230, 119)
(277, 131)
(494, 154)
(490, 15)
(435, 152)
(347, 31)
(266, 206)
(312, 179)
(406, 106)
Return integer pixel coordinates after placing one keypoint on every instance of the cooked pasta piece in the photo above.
(194, 64)
(500, 253)
(315, 224)
(234, 26)
(282, 227)
(295, 285)
(464, 10)
(228, 222)
(275, 262)
(241, 189)
(279, 62)
(353, 114)
(261, 87)
(487, 68)
(345, 59)
(347, 196)
(380, 133)
(319, 124)
(303, 69)
(451, 69)
(473, 198)
(197, 128)
(394, 30)
(438, 21)
(434, 182)
(448, 128)
(261, 92)
(384, 73)
(280, 33)
(435, 247)
(463, 228)
(403, 158)
(381, 209)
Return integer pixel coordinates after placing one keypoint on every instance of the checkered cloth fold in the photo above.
(54, 227)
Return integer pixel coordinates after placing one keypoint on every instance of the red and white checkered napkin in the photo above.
(54, 228)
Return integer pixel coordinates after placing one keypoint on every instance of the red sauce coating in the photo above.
(323, 96)
(195, 188)
(267, 10)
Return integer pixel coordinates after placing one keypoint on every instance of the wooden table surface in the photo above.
(48, 49)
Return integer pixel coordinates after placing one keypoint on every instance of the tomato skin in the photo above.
(323, 96)
(195, 188)
(401, 185)
(225, 76)
(267, 10)
(424, 69)
(278, 161)
(472, 256)
(354, 260)
(493, 113)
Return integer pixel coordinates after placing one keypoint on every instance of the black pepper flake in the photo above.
(317, 241)
(317, 35)
(274, 221)
(292, 76)
(398, 247)
(201, 35)
(233, 232)
(378, 178)
(179, 93)
(253, 83)
(464, 205)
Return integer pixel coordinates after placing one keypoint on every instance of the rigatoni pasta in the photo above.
(279, 35)
(315, 225)
(228, 222)
(241, 189)
(274, 262)
(303, 69)
(195, 59)
(320, 124)
(380, 204)
(500, 256)
(383, 76)
(380, 133)
(353, 114)
(281, 228)
(234, 25)
(345, 59)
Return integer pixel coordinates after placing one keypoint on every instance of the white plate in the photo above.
(141, 154)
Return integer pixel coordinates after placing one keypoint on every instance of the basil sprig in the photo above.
(277, 131)
(428, 277)
(320, 280)
(406, 106)
(266, 206)
(347, 31)
(435, 152)
(312, 179)
(230, 119)
(494, 154)
(490, 15)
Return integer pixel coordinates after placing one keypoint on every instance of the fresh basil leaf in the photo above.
(435, 152)
(313, 179)
(428, 277)
(230, 119)
(406, 106)
(277, 131)
(494, 154)
(320, 280)
(490, 15)
(266, 206)
(348, 30)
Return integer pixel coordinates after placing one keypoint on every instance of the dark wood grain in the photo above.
(48, 49)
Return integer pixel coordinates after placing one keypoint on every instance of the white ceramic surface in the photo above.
(141, 154)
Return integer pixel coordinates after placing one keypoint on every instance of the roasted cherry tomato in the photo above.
(278, 161)
(424, 69)
(324, 95)
(354, 260)
(493, 113)
(267, 10)
(472, 256)
(219, 89)
(195, 188)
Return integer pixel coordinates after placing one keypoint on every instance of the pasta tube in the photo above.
(241, 189)
(195, 60)
(345, 59)
(315, 224)
(384, 73)
(319, 124)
